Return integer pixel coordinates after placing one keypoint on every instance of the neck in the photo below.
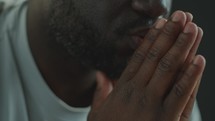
(66, 77)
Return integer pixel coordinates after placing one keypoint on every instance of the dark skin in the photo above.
(58, 71)
(167, 53)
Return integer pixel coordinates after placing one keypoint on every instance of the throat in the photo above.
(76, 97)
(76, 90)
(71, 84)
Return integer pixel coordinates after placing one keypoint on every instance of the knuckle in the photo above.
(169, 29)
(153, 54)
(165, 64)
(179, 90)
(180, 42)
(138, 56)
(149, 98)
(152, 35)
(143, 100)
(187, 75)
(127, 92)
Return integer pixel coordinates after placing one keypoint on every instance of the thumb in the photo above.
(103, 89)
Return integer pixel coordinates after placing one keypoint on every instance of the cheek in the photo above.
(93, 12)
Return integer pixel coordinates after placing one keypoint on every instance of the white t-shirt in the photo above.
(24, 95)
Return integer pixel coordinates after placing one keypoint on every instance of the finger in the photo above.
(172, 61)
(139, 54)
(162, 44)
(185, 116)
(189, 17)
(194, 49)
(180, 94)
(192, 52)
(103, 89)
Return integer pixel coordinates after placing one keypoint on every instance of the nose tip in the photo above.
(152, 8)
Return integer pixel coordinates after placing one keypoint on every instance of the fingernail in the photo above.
(201, 31)
(189, 16)
(189, 27)
(160, 23)
(197, 60)
(175, 17)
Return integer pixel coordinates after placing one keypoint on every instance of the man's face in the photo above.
(103, 34)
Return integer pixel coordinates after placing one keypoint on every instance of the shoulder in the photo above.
(1, 6)
(5, 4)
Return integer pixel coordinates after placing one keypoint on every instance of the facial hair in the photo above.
(83, 41)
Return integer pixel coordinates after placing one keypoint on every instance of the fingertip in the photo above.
(201, 32)
(178, 16)
(190, 27)
(189, 16)
(199, 60)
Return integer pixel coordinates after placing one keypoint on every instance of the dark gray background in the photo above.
(204, 14)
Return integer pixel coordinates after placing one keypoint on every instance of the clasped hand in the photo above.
(161, 80)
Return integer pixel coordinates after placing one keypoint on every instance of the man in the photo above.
(58, 57)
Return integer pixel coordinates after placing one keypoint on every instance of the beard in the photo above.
(83, 41)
